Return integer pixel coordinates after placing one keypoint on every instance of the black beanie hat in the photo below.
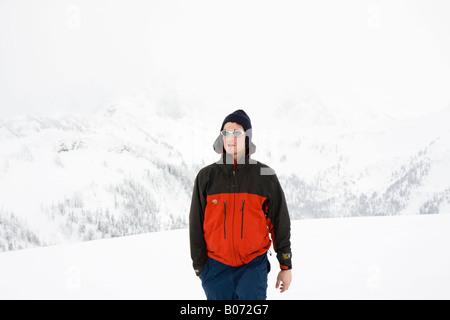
(239, 116)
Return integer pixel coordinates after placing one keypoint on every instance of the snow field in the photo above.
(396, 257)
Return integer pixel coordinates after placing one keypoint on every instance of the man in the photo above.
(236, 203)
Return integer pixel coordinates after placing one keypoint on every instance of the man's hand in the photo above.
(285, 278)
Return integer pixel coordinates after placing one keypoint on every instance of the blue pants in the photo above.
(247, 282)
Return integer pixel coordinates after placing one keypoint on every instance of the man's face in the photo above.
(232, 144)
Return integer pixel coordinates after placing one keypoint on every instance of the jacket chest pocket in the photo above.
(224, 219)
(242, 218)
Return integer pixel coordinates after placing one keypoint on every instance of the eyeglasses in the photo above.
(235, 133)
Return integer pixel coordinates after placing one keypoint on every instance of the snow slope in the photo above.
(389, 257)
(130, 167)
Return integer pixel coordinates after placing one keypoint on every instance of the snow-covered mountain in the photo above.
(127, 169)
(130, 167)
(379, 166)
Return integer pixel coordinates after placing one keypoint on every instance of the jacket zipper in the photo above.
(224, 219)
(234, 209)
(242, 221)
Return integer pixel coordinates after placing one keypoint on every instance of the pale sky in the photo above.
(79, 55)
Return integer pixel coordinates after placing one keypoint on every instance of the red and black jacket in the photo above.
(234, 208)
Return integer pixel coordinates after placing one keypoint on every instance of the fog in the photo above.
(78, 56)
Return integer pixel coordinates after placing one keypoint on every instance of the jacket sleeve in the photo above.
(196, 218)
(281, 224)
